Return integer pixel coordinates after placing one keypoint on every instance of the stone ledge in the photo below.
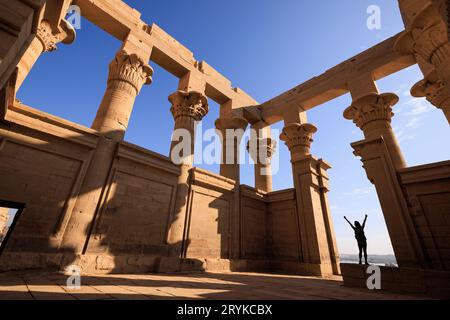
(170, 265)
(107, 264)
(435, 284)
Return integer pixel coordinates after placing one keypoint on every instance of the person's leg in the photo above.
(360, 247)
(365, 253)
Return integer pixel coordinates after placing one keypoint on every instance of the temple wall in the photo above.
(284, 239)
(209, 229)
(269, 229)
(42, 165)
(254, 221)
(427, 190)
(137, 204)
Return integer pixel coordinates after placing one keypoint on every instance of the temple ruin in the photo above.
(86, 197)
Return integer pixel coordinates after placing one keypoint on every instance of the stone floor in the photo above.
(239, 286)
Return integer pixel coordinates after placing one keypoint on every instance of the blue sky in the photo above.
(264, 47)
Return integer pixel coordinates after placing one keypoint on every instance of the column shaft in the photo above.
(127, 74)
(187, 109)
(231, 131)
(261, 150)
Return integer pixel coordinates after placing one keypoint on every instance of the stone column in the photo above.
(188, 107)
(372, 113)
(231, 131)
(427, 37)
(317, 240)
(127, 74)
(261, 150)
(382, 159)
(46, 40)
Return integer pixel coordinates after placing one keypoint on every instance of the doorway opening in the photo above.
(9, 215)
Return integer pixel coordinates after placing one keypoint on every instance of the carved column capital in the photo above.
(372, 113)
(426, 37)
(193, 105)
(298, 138)
(233, 123)
(50, 38)
(371, 107)
(433, 90)
(130, 69)
(267, 146)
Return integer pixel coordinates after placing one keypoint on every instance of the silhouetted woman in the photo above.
(360, 237)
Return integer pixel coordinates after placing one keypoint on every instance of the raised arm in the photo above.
(364, 223)
(349, 223)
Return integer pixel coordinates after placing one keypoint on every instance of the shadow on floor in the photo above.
(224, 286)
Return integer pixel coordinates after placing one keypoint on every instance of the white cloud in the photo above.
(418, 106)
(358, 192)
(414, 122)
(410, 116)
(403, 135)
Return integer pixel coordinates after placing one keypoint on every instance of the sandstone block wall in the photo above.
(427, 190)
(43, 165)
